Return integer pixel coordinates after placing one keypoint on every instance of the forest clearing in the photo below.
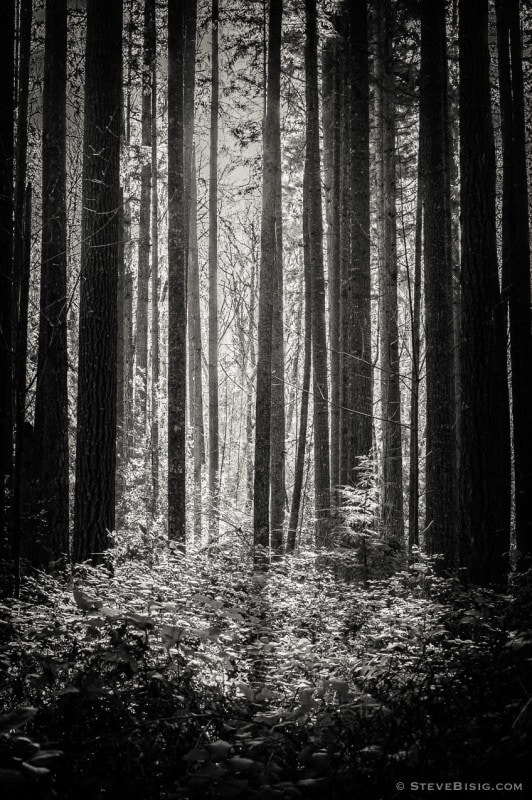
(265, 399)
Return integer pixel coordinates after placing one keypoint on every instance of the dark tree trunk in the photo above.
(485, 436)
(21, 151)
(440, 524)
(94, 507)
(51, 399)
(278, 433)
(22, 488)
(154, 289)
(414, 296)
(516, 263)
(359, 400)
(7, 86)
(270, 232)
(392, 461)
(345, 459)
(214, 437)
(195, 352)
(177, 313)
(312, 201)
(332, 76)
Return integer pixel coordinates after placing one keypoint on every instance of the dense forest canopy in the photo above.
(265, 311)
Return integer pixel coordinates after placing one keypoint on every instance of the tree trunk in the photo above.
(21, 154)
(485, 436)
(277, 431)
(312, 201)
(143, 274)
(195, 352)
(440, 523)
(303, 418)
(7, 105)
(51, 399)
(392, 461)
(358, 313)
(154, 289)
(332, 76)
(414, 296)
(22, 487)
(176, 280)
(516, 263)
(214, 441)
(143, 283)
(270, 235)
(94, 506)
(19, 338)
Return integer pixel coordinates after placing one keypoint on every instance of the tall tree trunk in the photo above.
(20, 486)
(332, 76)
(143, 283)
(516, 263)
(7, 106)
(278, 425)
(144, 241)
(250, 380)
(214, 442)
(188, 133)
(345, 253)
(392, 461)
(303, 412)
(312, 201)
(358, 314)
(21, 154)
(270, 235)
(94, 506)
(20, 328)
(176, 279)
(51, 398)
(195, 351)
(154, 287)
(485, 435)
(440, 524)
(414, 295)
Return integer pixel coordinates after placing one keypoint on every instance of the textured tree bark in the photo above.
(21, 143)
(7, 87)
(332, 75)
(392, 460)
(414, 293)
(312, 201)
(345, 255)
(440, 522)
(94, 505)
(195, 352)
(359, 363)
(143, 283)
(144, 241)
(155, 289)
(22, 479)
(485, 435)
(516, 263)
(214, 437)
(51, 398)
(305, 390)
(270, 235)
(176, 280)
(278, 433)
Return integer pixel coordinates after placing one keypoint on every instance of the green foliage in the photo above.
(195, 678)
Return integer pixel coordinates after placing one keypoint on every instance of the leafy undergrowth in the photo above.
(195, 678)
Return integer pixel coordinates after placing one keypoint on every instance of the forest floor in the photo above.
(193, 677)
